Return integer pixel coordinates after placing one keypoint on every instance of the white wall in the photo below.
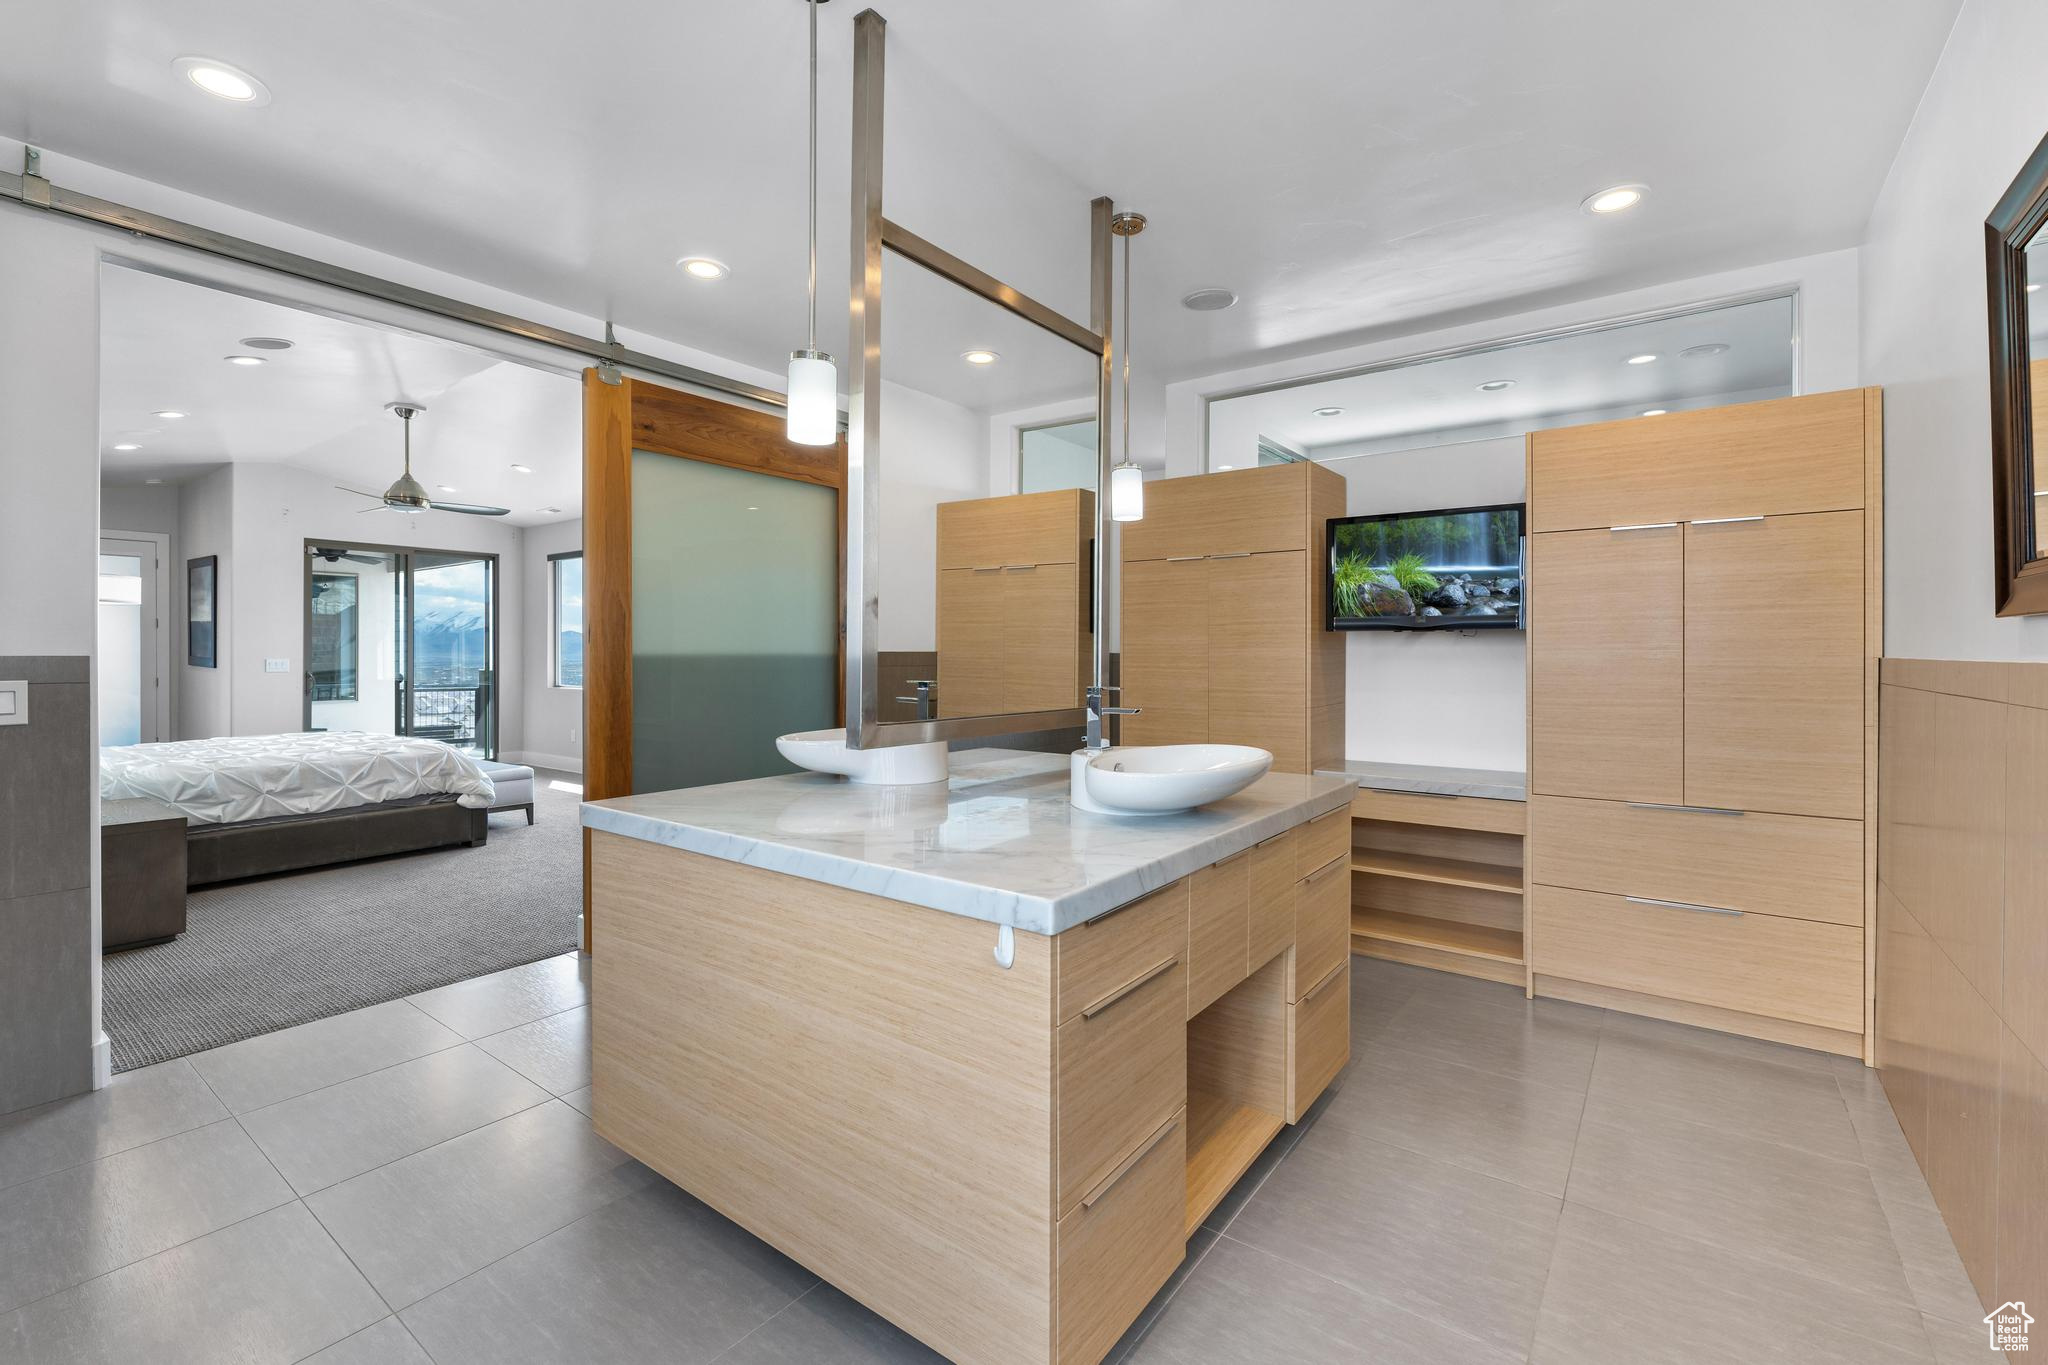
(1924, 336)
(1414, 697)
(552, 729)
(933, 452)
(206, 510)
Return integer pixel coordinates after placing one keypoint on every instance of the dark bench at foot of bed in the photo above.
(220, 853)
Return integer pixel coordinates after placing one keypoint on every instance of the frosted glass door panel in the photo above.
(735, 619)
(121, 649)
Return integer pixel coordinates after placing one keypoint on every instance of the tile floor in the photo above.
(1491, 1181)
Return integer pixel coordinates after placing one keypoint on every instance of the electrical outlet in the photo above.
(572, 734)
(277, 665)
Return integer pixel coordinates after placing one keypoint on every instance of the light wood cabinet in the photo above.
(972, 642)
(1272, 877)
(1318, 1038)
(1222, 619)
(1121, 1071)
(1115, 1250)
(1013, 603)
(1322, 926)
(1219, 930)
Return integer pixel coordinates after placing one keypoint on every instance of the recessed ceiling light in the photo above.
(2032, 288)
(1329, 412)
(550, 509)
(243, 359)
(1222, 467)
(1646, 358)
(266, 343)
(222, 80)
(1209, 300)
(1701, 352)
(1615, 199)
(127, 445)
(1496, 385)
(753, 509)
(704, 268)
(152, 481)
(168, 415)
(980, 357)
(1655, 412)
(446, 487)
(521, 469)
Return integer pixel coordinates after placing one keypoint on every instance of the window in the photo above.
(1061, 455)
(566, 664)
(333, 647)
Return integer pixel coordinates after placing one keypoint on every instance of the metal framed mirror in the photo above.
(2016, 266)
(944, 310)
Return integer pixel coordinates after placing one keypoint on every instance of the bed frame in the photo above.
(220, 853)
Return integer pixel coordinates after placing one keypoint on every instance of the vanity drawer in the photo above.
(1219, 930)
(1795, 969)
(1322, 925)
(1272, 896)
(1117, 1247)
(1122, 1071)
(1800, 866)
(1093, 960)
(1318, 1039)
(1321, 839)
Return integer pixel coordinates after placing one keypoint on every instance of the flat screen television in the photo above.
(1456, 569)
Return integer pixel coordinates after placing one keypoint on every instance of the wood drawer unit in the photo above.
(1321, 839)
(1022, 528)
(1219, 930)
(1227, 513)
(1318, 1038)
(1120, 1244)
(1322, 925)
(1791, 865)
(1786, 455)
(1121, 1072)
(1794, 969)
(1165, 650)
(1094, 961)
(1272, 898)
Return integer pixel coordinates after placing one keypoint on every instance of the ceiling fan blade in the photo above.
(358, 492)
(473, 509)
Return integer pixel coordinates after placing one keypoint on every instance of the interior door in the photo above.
(1774, 664)
(1165, 641)
(1258, 654)
(1606, 659)
(971, 640)
(130, 664)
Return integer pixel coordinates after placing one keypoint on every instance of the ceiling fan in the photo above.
(406, 494)
(334, 555)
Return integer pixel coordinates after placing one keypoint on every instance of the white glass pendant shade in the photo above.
(1127, 493)
(813, 398)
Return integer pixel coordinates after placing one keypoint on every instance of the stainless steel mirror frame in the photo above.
(872, 234)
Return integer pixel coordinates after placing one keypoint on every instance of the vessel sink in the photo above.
(900, 765)
(1162, 779)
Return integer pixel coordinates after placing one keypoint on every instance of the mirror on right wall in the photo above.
(2016, 261)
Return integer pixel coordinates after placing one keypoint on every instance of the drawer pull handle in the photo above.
(1234, 554)
(1720, 521)
(1274, 840)
(1184, 559)
(1683, 905)
(1691, 810)
(1121, 991)
(988, 568)
(1226, 862)
(1646, 526)
(1123, 1168)
(1325, 870)
(1313, 991)
(1020, 566)
(1341, 810)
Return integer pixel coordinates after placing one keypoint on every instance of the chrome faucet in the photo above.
(924, 699)
(1096, 711)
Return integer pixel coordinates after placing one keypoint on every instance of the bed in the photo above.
(260, 804)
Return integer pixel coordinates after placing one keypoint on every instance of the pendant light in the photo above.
(1126, 480)
(813, 379)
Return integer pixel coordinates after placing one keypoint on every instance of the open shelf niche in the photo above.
(1437, 881)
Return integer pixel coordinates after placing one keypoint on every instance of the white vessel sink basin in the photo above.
(901, 765)
(1162, 779)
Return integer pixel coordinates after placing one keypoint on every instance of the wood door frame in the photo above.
(622, 415)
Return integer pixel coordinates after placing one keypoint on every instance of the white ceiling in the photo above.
(1350, 167)
(1571, 376)
(320, 405)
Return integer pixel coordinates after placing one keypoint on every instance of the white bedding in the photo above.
(257, 777)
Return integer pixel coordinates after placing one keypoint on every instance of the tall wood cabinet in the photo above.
(1222, 620)
(1013, 602)
(1704, 628)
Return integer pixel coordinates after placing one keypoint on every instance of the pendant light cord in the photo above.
(813, 6)
(1127, 350)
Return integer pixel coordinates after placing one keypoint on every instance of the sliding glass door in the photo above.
(403, 642)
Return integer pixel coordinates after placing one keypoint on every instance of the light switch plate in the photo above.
(13, 703)
(277, 665)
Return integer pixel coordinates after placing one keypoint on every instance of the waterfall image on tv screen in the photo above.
(1458, 569)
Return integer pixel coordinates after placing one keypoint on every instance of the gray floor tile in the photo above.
(1247, 1185)
(276, 1066)
(1198, 1248)
(1795, 1105)
(553, 1053)
(420, 1224)
(1550, 1041)
(826, 1325)
(1458, 1248)
(267, 1291)
(654, 1277)
(491, 1004)
(1777, 1205)
(1621, 1293)
(73, 1224)
(1940, 1285)
(1243, 1305)
(327, 1136)
(1501, 1126)
(381, 1343)
(1956, 1343)
(137, 1107)
(579, 1100)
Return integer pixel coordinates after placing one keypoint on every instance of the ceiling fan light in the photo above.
(813, 398)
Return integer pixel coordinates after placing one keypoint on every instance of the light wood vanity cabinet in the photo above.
(1013, 608)
(1704, 627)
(1219, 931)
(1223, 615)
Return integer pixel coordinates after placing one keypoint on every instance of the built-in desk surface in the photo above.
(1489, 784)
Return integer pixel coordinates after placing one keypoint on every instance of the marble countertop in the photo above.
(1487, 783)
(999, 842)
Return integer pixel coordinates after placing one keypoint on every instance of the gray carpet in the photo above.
(271, 952)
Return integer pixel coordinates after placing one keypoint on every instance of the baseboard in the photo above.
(102, 1061)
(561, 762)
